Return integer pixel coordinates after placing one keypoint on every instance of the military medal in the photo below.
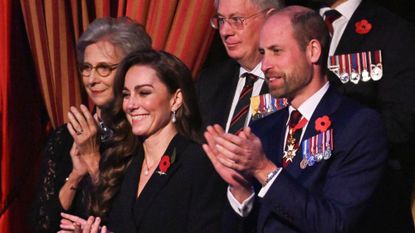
(334, 65)
(344, 76)
(254, 103)
(365, 72)
(289, 154)
(303, 163)
(355, 74)
(264, 105)
(357, 66)
(376, 69)
(291, 143)
(317, 148)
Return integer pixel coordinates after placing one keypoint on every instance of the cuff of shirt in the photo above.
(265, 189)
(244, 208)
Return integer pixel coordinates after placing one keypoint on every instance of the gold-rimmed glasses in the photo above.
(103, 69)
(236, 22)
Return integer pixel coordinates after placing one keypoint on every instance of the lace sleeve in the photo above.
(55, 168)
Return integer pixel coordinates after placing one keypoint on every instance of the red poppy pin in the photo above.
(363, 27)
(165, 163)
(322, 123)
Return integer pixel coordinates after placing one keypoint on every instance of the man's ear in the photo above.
(176, 100)
(314, 51)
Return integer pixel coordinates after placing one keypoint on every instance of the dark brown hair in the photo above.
(175, 75)
(127, 36)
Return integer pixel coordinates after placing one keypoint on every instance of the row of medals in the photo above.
(357, 66)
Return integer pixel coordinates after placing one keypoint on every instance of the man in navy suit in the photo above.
(318, 172)
(391, 94)
(219, 87)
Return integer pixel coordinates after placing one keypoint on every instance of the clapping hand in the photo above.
(74, 224)
(238, 181)
(85, 152)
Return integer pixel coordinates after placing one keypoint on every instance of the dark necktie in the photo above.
(295, 128)
(242, 107)
(329, 17)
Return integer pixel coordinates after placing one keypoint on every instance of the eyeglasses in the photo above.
(235, 21)
(103, 69)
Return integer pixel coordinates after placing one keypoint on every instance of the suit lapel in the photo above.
(224, 98)
(122, 210)
(158, 181)
(281, 135)
(351, 41)
(264, 89)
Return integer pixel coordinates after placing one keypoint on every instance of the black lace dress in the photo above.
(56, 166)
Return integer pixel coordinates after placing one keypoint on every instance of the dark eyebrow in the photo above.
(143, 85)
(231, 15)
(272, 47)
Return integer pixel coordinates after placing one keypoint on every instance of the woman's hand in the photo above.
(84, 129)
(71, 223)
(79, 167)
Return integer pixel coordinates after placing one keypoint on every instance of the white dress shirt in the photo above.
(255, 91)
(306, 109)
(346, 9)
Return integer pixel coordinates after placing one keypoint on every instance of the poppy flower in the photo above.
(164, 164)
(322, 123)
(363, 27)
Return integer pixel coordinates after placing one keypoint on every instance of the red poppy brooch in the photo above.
(363, 27)
(322, 123)
(165, 163)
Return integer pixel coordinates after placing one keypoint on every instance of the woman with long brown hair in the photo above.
(169, 184)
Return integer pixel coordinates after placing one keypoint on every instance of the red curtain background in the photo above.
(5, 23)
(39, 81)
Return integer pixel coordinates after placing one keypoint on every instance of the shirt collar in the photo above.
(256, 71)
(307, 108)
(347, 8)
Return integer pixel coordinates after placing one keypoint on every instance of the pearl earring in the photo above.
(173, 117)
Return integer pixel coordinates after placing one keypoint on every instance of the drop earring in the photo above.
(173, 117)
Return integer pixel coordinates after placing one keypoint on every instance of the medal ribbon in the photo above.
(299, 125)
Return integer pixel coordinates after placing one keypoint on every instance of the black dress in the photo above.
(188, 197)
(57, 165)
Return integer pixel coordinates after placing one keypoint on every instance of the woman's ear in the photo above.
(176, 100)
(314, 51)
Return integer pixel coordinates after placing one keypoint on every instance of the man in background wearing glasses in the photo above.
(219, 87)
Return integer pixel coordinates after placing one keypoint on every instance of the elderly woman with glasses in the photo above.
(169, 184)
(73, 152)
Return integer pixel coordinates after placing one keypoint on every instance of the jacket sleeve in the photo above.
(208, 198)
(55, 168)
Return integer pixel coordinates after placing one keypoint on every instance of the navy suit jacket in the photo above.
(392, 96)
(215, 89)
(332, 195)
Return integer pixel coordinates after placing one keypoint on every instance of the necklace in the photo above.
(147, 168)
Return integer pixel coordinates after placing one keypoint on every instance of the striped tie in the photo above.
(242, 107)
